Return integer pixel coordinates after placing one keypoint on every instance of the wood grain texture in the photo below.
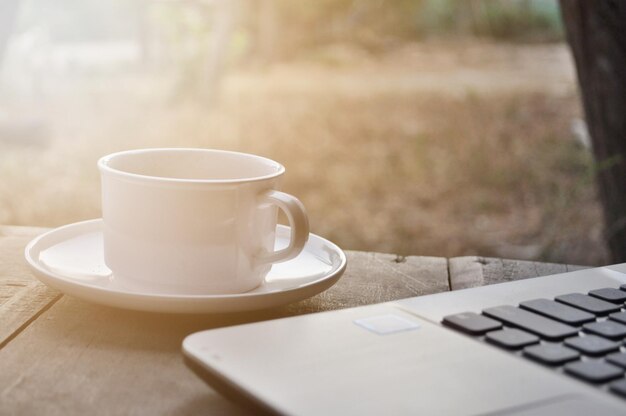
(81, 358)
(22, 297)
(472, 271)
(377, 277)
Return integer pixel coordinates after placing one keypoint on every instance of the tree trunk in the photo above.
(596, 31)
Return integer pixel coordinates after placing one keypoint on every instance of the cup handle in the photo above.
(298, 221)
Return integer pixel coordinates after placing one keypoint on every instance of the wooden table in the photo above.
(61, 356)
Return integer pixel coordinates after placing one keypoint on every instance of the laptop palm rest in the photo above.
(569, 405)
(299, 365)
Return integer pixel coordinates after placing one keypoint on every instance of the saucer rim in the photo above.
(329, 278)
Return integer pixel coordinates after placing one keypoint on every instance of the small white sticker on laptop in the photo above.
(386, 324)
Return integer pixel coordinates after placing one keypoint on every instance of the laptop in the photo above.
(551, 345)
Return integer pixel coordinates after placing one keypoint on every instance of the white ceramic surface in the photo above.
(70, 259)
(171, 214)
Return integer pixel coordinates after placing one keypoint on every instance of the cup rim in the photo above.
(104, 167)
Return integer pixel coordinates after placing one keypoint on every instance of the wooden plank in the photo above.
(472, 271)
(377, 277)
(22, 297)
(465, 272)
(82, 358)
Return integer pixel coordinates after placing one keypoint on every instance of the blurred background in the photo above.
(417, 127)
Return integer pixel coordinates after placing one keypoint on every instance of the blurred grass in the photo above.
(382, 160)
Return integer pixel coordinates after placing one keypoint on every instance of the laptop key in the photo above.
(607, 329)
(531, 322)
(619, 358)
(511, 338)
(609, 294)
(594, 371)
(558, 311)
(592, 345)
(619, 317)
(551, 354)
(588, 303)
(471, 323)
(619, 387)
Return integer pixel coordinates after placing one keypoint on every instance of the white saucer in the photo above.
(70, 259)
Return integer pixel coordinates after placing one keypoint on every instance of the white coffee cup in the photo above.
(195, 221)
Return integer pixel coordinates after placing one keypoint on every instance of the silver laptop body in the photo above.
(397, 358)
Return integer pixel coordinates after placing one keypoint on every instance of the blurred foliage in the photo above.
(186, 34)
(501, 19)
(519, 20)
(298, 24)
(375, 24)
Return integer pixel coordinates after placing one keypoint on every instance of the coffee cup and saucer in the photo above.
(189, 231)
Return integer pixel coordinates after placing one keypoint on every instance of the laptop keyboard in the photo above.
(581, 335)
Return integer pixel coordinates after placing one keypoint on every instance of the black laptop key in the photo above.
(531, 322)
(594, 371)
(619, 317)
(619, 358)
(558, 311)
(619, 387)
(609, 294)
(607, 329)
(511, 338)
(471, 323)
(592, 345)
(588, 303)
(551, 354)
